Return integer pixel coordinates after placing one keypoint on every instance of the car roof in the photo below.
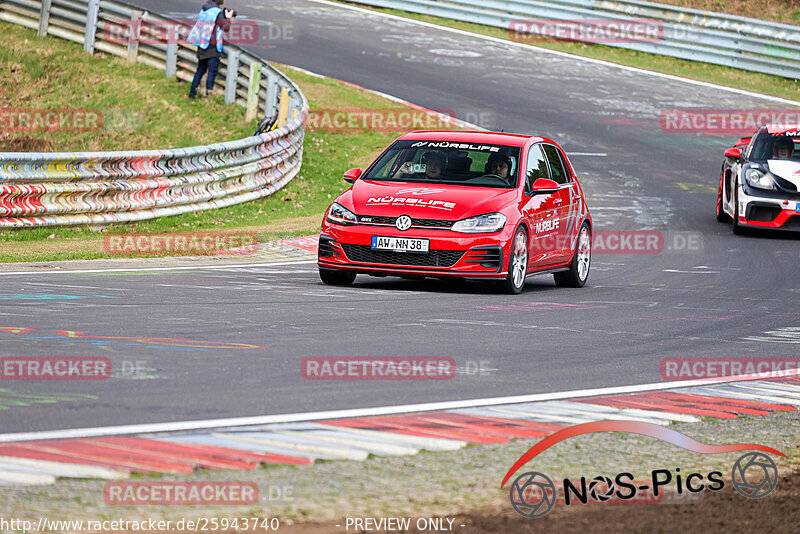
(781, 128)
(493, 138)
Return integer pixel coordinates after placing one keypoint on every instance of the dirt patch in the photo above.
(24, 143)
(725, 511)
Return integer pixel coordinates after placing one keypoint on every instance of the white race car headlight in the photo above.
(338, 214)
(759, 179)
(491, 222)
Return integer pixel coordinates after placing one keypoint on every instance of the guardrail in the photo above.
(743, 43)
(100, 188)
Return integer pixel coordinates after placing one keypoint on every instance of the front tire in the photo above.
(336, 278)
(578, 272)
(517, 264)
(721, 215)
(736, 227)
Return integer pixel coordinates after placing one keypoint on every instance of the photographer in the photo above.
(207, 35)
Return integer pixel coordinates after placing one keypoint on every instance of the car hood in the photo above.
(788, 170)
(426, 201)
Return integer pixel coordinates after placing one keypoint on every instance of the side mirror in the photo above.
(352, 175)
(543, 186)
(744, 141)
(735, 153)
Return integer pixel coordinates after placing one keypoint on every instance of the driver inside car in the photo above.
(498, 164)
(435, 164)
(783, 147)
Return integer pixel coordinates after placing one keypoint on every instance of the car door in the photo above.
(541, 211)
(564, 201)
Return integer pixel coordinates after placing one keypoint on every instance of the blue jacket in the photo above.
(200, 35)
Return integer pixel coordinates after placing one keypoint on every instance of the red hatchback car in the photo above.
(474, 205)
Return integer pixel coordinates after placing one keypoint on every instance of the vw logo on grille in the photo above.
(403, 223)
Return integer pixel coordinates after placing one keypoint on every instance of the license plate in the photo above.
(400, 244)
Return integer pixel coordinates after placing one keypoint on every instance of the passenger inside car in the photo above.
(435, 164)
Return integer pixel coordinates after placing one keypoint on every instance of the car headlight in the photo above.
(759, 179)
(491, 222)
(338, 214)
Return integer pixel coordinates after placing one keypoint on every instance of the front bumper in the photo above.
(451, 253)
(768, 211)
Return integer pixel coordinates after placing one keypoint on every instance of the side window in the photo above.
(557, 167)
(537, 165)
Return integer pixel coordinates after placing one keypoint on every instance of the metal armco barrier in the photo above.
(100, 188)
(728, 40)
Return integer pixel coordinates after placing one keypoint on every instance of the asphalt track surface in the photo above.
(729, 296)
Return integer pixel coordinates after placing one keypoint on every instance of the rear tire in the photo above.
(517, 264)
(336, 278)
(578, 272)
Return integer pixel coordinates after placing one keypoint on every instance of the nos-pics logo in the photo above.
(533, 494)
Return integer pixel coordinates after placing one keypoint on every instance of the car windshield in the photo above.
(767, 146)
(448, 162)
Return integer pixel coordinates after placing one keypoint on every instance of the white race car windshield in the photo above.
(767, 147)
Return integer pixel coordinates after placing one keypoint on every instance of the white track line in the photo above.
(447, 118)
(143, 269)
(557, 53)
(376, 411)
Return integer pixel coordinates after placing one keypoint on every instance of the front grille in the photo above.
(326, 247)
(489, 257)
(415, 223)
(763, 213)
(434, 258)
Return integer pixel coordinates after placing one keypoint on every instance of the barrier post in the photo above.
(172, 56)
(232, 75)
(252, 93)
(91, 26)
(44, 17)
(133, 36)
(272, 91)
(283, 111)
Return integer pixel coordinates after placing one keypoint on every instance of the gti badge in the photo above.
(403, 223)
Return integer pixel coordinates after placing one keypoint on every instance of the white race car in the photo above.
(759, 186)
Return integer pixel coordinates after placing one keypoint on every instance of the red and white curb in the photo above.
(385, 433)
